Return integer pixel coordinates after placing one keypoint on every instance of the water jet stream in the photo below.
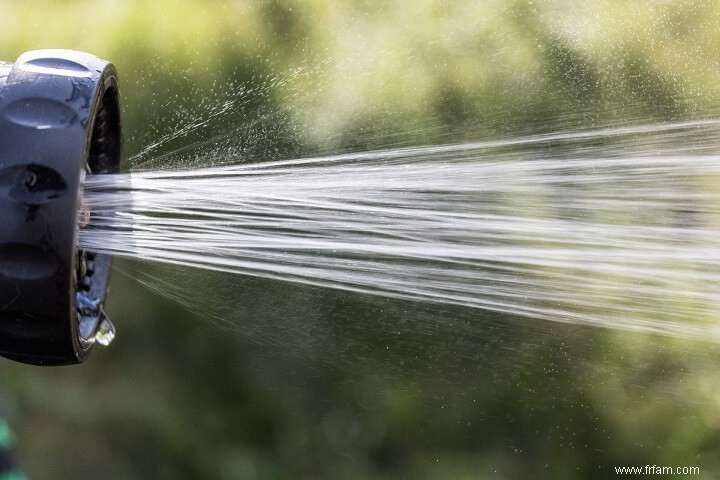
(622, 234)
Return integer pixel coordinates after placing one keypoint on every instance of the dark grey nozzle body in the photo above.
(59, 120)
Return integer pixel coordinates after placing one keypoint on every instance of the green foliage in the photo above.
(277, 381)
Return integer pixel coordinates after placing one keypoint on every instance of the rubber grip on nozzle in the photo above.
(59, 119)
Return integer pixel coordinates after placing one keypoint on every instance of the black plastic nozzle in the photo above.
(59, 120)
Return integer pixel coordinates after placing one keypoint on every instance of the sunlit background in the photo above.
(217, 376)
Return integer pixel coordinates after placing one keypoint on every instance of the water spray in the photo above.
(59, 121)
(615, 228)
(611, 231)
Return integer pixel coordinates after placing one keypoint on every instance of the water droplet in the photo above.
(105, 332)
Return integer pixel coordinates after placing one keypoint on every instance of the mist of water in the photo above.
(611, 228)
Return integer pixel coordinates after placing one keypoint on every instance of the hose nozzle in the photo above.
(59, 121)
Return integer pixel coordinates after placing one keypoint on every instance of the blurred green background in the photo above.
(216, 376)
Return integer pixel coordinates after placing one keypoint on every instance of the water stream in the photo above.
(617, 227)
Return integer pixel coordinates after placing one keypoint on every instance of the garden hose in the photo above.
(8, 465)
(59, 121)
